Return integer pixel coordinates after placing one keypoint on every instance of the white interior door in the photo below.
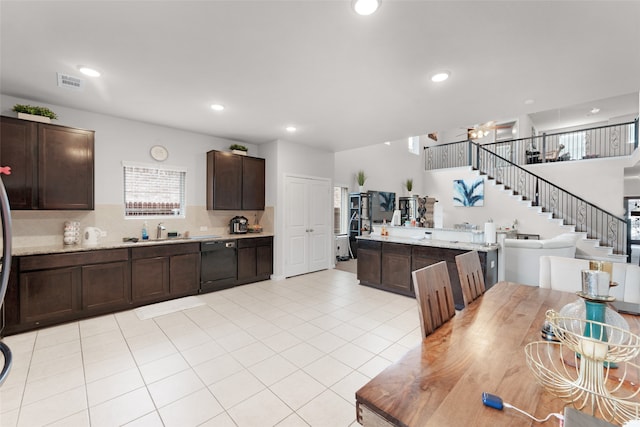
(319, 226)
(296, 214)
(307, 225)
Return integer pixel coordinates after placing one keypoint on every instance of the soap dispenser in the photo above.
(145, 234)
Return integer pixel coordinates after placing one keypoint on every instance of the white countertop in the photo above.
(61, 248)
(431, 243)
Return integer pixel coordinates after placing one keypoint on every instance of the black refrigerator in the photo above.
(5, 269)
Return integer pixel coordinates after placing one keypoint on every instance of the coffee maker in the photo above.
(238, 225)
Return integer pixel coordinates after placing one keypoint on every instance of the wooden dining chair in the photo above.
(471, 276)
(432, 286)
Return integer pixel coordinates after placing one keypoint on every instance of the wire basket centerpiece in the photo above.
(591, 366)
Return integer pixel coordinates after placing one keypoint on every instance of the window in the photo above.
(152, 191)
(413, 144)
(574, 144)
(340, 209)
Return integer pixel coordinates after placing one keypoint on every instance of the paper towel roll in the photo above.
(490, 232)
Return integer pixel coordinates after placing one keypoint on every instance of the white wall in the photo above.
(118, 140)
(387, 168)
(599, 181)
(287, 158)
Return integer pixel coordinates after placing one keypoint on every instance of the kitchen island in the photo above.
(386, 262)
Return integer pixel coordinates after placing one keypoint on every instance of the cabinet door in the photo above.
(65, 164)
(369, 262)
(48, 296)
(253, 186)
(18, 144)
(264, 261)
(396, 268)
(149, 279)
(106, 286)
(246, 263)
(184, 274)
(224, 180)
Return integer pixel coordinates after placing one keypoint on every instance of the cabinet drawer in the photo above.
(41, 262)
(368, 244)
(254, 242)
(396, 249)
(164, 250)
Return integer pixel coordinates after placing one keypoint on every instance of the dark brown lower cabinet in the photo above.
(369, 262)
(255, 259)
(61, 287)
(388, 266)
(164, 271)
(184, 274)
(106, 287)
(149, 279)
(50, 295)
(396, 268)
(50, 289)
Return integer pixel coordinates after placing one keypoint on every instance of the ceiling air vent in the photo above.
(70, 82)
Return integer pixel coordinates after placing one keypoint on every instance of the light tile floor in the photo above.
(275, 353)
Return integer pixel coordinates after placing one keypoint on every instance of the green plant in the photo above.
(238, 147)
(36, 111)
(409, 184)
(361, 177)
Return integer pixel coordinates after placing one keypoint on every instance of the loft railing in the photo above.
(608, 228)
(596, 142)
(590, 143)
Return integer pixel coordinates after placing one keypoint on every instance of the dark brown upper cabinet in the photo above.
(52, 167)
(235, 182)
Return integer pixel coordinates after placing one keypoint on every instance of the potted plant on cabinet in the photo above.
(361, 178)
(239, 149)
(408, 184)
(34, 113)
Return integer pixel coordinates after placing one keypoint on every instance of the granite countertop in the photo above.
(61, 248)
(432, 243)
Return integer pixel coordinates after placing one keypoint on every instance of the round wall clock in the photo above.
(159, 153)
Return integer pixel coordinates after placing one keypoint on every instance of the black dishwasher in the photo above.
(218, 266)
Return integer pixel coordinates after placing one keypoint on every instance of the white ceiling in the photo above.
(344, 80)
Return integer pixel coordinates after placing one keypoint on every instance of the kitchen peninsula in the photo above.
(386, 262)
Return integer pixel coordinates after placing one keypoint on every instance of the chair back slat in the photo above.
(471, 276)
(432, 286)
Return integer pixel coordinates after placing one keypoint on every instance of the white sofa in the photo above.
(522, 256)
(565, 274)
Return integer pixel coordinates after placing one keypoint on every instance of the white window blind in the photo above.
(155, 191)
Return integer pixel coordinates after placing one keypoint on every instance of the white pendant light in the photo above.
(365, 7)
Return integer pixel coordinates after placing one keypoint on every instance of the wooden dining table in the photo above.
(440, 382)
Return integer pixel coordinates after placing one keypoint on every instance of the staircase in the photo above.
(587, 248)
(601, 234)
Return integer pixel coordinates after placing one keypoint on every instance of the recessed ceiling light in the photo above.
(365, 7)
(291, 128)
(529, 101)
(217, 107)
(87, 71)
(595, 110)
(440, 76)
(387, 143)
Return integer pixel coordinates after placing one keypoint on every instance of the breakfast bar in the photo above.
(386, 262)
(440, 382)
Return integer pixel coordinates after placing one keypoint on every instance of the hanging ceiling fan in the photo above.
(485, 129)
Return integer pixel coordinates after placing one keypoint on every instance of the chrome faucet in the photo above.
(159, 230)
